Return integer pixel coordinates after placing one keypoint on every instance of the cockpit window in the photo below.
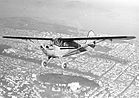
(65, 44)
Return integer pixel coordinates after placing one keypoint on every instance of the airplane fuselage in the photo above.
(58, 49)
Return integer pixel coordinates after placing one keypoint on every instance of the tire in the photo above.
(64, 65)
(44, 63)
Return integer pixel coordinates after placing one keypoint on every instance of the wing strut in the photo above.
(35, 43)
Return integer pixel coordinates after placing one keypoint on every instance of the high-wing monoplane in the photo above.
(59, 47)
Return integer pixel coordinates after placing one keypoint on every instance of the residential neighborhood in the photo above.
(110, 70)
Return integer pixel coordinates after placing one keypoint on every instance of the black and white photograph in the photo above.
(69, 48)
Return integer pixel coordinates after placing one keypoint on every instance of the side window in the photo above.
(65, 44)
(58, 42)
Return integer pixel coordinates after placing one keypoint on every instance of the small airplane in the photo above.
(64, 47)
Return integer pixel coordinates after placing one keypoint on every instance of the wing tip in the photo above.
(131, 37)
(4, 36)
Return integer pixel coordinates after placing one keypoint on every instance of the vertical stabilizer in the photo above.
(91, 33)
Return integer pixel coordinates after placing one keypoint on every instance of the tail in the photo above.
(91, 33)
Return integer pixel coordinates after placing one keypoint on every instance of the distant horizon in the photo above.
(107, 16)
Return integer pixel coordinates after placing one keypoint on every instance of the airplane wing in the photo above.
(27, 38)
(75, 38)
(100, 38)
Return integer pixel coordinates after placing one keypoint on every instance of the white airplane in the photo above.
(64, 47)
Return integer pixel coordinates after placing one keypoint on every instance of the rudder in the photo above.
(91, 33)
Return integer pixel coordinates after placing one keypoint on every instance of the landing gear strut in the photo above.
(45, 63)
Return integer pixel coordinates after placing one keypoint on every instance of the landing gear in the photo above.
(64, 65)
(44, 63)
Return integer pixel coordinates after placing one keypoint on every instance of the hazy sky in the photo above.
(104, 16)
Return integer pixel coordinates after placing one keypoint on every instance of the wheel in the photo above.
(44, 63)
(64, 65)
